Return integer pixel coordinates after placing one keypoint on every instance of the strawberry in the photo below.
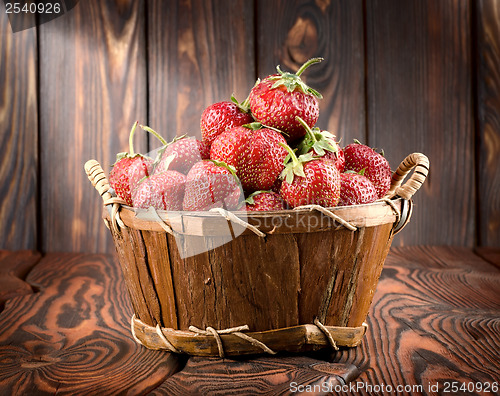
(228, 145)
(261, 159)
(163, 191)
(277, 100)
(356, 189)
(129, 169)
(321, 144)
(211, 184)
(264, 201)
(376, 168)
(221, 116)
(181, 154)
(310, 181)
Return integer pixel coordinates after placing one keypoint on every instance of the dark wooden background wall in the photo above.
(412, 75)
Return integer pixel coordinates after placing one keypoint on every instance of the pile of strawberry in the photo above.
(263, 154)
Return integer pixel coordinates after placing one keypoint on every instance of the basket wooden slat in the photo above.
(295, 268)
(292, 339)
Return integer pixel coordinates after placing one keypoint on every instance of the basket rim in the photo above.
(292, 221)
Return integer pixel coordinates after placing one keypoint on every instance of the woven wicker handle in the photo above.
(421, 164)
(98, 179)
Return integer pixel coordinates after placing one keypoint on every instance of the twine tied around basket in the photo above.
(328, 213)
(237, 331)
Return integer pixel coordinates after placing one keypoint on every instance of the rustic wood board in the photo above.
(18, 137)
(290, 32)
(488, 121)
(490, 254)
(73, 336)
(262, 376)
(14, 266)
(200, 52)
(419, 99)
(435, 318)
(93, 88)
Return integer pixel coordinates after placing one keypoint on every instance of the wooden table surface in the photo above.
(434, 326)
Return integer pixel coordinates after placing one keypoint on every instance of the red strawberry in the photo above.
(310, 181)
(221, 116)
(261, 160)
(129, 169)
(264, 201)
(277, 100)
(233, 200)
(210, 184)
(321, 144)
(376, 168)
(163, 191)
(127, 172)
(228, 145)
(356, 189)
(181, 154)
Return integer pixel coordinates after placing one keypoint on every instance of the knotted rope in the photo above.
(327, 334)
(152, 211)
(232, 217)
(237, 331)
(394, 207)
(328, 213)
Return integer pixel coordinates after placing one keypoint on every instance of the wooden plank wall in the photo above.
(404, 76)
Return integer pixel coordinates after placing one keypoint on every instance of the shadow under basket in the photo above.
(221, 283)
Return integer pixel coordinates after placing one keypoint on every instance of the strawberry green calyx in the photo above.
(243, 106)
(293, 164)
(316, 139)
(361, 172)
(230, 168)
(381, 152)
(250, 199)
(255, 126)
(293, 81)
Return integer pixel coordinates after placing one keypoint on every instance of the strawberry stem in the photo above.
(310, 62)
(308, 129)
(291, 153)
(131, 139)
(155, 134)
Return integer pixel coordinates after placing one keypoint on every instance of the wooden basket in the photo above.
(293, 280)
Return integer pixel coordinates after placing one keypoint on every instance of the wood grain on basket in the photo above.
(307, 268)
